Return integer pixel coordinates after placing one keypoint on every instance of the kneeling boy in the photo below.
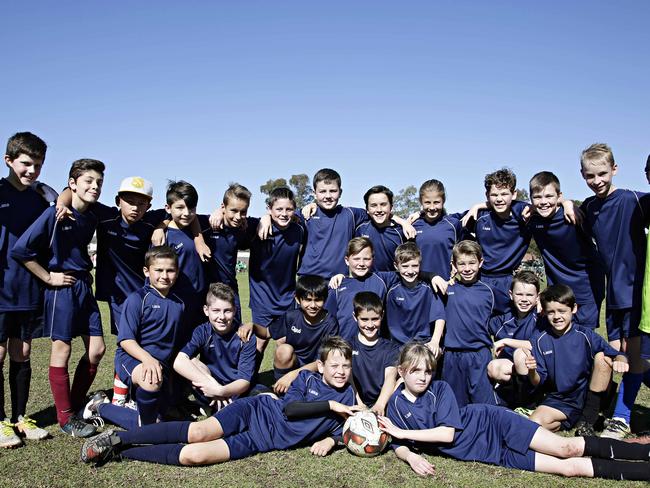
(249, 425)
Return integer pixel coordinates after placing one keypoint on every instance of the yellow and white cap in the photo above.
(136, 184)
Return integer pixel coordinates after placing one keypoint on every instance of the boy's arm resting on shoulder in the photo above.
(407, 228)
(387, 389)
(472, 213)
(283, 384)
(201, 247)
(63, 204)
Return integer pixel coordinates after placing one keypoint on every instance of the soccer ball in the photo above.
(362, 436)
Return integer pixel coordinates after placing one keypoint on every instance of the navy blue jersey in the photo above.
(564, 363)
(468, 309)
(270, 429)
(436, 240)
(224, 244)
(120, 251)
(191, 277)
(19, 289)
(508, 326)
(328, 234)
(60, 246)
(339, 301)
(369, 365)
(412, 312)
(272, 271)
(617, 224)
(225, 355)
(384, 242)
(570, 257)
(481, 431)
(304, 337)
(152, 321)
(504, 242)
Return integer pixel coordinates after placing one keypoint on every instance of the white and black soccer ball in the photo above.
(362, 435)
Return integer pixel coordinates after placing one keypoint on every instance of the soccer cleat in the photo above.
(96, 420)
(99, 448)
(91, 408)
(8, 437)
(30, 430)
(76, 427)
(584, 429)
(524, 412)
(616, 428)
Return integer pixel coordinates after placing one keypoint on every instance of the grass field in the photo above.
(55, 462)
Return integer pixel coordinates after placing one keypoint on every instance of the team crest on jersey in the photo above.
(312, 392)
(539, 226)
(111, 233)
(355, 353)
(399, 299)
(408, 415)
(546, 353)
(485, 227)
(178, 246)
(418, 232)
(155, 306)
(5, 205)
(296, 330)
(451, 293)
(66, 227)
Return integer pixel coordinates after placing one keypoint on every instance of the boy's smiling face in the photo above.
(599, 175)
(327, 194)
(369, 323)
(500, 200)
(546, 200)
(524, 297)
(409, 270)
(162, 274)
(25, 169)
(132, 206)
(379, 209)
(311, 306)
(468, 266)
(336, 369)
(234, 212)
(281, 212)
(360, 263)
(182, 215)
(221, 314)
(559, 316)
(87, 187)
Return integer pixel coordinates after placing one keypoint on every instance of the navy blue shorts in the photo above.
(500, 285)
(466, 373)
(517, 433)
(235, 420)
(23, 325)
(588, 315)
(115, 310)
(622, 323)
(71, 311)
(125, 364)
(645, 345)
(570, 411)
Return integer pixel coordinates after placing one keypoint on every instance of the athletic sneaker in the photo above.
(524, 412)
(91, 408)
(584, 429)
(99, 448)
(30, 430)
(8, 437)
(616, 428)
(78, 428)
(96, 420)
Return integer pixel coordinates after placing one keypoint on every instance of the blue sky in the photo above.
(385, 92)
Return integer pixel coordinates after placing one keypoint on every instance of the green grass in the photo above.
(55, 462)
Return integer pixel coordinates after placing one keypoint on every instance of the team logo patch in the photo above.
(296, 329)
(137, 182)
(313, 392)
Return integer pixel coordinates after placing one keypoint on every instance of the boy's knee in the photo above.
(151, 387)
(203, 431)
(284, 355)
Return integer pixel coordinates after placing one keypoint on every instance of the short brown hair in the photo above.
(598, 153)
(527, 278)
(279, 193)
(26, 143)
(358, 244)
(327, 175)
(467, 247)
(81, 166)
(334, 343)
(367, 300)
(407, 252)
(502, 178)
(220, 291)
(543, 179)
(558, 293)
(160, 252)
(236, 191)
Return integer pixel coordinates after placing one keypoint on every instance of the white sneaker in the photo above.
(95, 401)
(30, 430)
(8, 437)
(616, 428)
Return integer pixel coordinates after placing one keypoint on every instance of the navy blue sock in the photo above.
(124, 417)
(147, 405)
(161, 453)
(280, 372)
(646, 378)
(162, 433)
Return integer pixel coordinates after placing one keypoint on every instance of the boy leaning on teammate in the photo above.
(20, 291)
(70, 308)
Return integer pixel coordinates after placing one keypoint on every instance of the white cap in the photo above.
(136, 184)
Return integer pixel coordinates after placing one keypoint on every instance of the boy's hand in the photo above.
(420, 465)
(220, 403)
(209, 386)
(345, 410)
(216, 219)
(264, 227)
(309, 210)
(158, 237)
(472, 213)
(409, 231)
(281, 386)
(335, 281)
(530, 362)
(527, 212)
(434, 347)
(413, 217)
(61, 279)
(245, 331)
(322, 447)
(439, 284)
(202, 250)
(386, 425)
(572, 213)
(379, 408)
(499, 346)
(151, 371)
(63, 212)
(619, 364)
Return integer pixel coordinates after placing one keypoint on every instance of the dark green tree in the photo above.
(406, 201)
(302, 189)
(272, 183)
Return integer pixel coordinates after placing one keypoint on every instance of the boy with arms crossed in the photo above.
(20, 292)
(70, 308)
(616, 219)
(298, 332)
(311, 412)
(373, 358)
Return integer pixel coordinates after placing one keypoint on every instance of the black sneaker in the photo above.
(78, 428)
(100, 448)
(585, 429)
